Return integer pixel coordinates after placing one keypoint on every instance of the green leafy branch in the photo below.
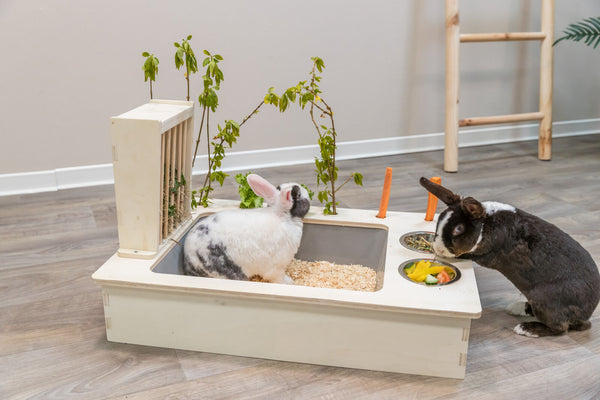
(308, 93)
(587, 30)
(208, 99)
(150, 68)
(184, 55)
(226, 135)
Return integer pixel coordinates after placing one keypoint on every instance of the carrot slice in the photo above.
(432, 201)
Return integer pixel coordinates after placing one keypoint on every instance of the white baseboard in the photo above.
(65, 178)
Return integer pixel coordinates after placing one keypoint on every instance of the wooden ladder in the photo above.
(544, 115)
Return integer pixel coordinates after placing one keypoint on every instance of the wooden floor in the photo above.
(52, 337)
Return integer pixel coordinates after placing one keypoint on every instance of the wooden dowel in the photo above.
(452, 78)
(188, 166)
(501, 37)
(181, 158)
(171, 140)
(162, 234)
(501, 119)
(180, 170)
(186, 160)
(385, 195)
(546, 68)
(167, 182)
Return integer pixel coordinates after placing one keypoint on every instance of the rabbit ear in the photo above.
(263, 188)
(445, 195)
(473, 208)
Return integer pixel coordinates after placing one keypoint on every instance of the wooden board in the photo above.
(401, 327)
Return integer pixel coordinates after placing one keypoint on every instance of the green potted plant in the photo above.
(587, 30)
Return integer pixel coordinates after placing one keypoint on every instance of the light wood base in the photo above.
(401, 327)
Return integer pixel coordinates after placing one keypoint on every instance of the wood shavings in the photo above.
(324, 274)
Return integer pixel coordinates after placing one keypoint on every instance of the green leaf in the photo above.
(234, 124)
(283, 103)
(145, 54)
(310, 192)
(248, 198)
(322, 196)
(218, 176)
(318, 63)
(587, 30)
(357, 178)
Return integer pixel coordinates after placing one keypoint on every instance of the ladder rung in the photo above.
(501, 119)
(501, 37)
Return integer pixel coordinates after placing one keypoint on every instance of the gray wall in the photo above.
(67, 66)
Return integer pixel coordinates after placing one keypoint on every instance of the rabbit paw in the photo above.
(520, 309)
(523, 330)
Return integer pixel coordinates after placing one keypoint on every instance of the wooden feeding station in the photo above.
(401, 326)
(151, 147)
(543, 115)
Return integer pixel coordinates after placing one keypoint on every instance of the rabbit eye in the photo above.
(458, 230)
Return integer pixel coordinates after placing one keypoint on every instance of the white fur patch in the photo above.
(517, 309)
(259, 241)
(478, 240)
(520, 331)
(438, 244)
(492, 207)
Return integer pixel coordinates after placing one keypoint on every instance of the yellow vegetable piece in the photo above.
(422, 269)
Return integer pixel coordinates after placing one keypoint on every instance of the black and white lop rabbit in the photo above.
(241, 244)
(557, 276)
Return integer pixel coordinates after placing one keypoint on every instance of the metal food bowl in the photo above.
(457, 273)
(429, 235)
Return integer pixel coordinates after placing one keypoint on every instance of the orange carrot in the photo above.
(385, 195)
(432, 201)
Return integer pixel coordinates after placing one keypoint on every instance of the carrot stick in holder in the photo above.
(432, 201)
(385, 196)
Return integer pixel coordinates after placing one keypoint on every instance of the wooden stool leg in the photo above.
(452, 79)
(546, 68)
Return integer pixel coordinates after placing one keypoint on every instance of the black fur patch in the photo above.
(188, 268)
(301, 206)
(218, 261)
(202, 229)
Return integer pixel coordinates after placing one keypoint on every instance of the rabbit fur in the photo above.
(555, 273)
(243, 244)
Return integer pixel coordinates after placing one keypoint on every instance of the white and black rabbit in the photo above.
(241, 244)
(557, 276)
